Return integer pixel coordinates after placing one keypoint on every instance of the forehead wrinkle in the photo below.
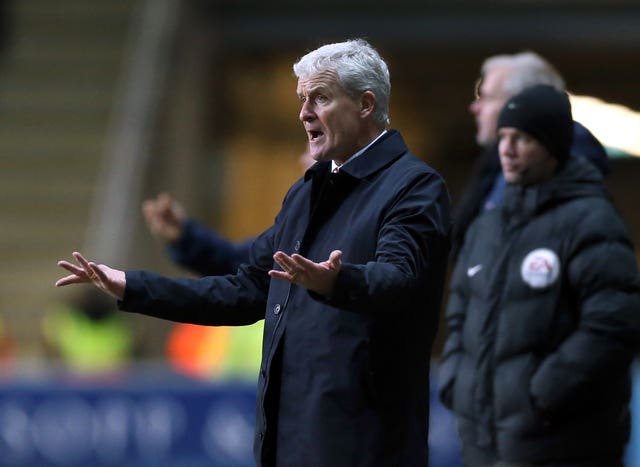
(322, 81)
(312, 89)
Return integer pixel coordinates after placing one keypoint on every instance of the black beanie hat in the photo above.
(544, 113)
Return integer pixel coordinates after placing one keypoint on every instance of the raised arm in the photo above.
(165, 217)
(191, 244)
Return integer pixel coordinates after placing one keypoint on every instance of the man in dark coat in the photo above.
(348, 281)
(503, 76)
(544, 311)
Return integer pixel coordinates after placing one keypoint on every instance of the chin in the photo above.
(321, 157)
(511, 178)
(317, 155)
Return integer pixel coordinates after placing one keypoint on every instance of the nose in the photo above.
(306, 112)
(474, 107)
(506, 147)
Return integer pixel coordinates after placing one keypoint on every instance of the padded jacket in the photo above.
(544, 320)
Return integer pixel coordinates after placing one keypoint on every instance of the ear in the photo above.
(367, 103)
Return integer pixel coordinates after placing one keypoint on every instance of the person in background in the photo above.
(544, 308)
(503, 76)
(7, 348)
(88, 335)
(348, 280)
(192, 245)
(206, 351)
(189, 243)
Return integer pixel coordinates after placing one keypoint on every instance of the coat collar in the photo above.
(384, 151)
(578, 178)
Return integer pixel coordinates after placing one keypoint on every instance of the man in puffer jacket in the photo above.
(544, 311)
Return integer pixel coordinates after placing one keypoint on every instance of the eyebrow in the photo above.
(317, 89)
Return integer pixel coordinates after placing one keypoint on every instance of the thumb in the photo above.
(335, 259)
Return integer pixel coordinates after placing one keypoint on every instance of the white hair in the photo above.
(526, 69)
(358, 68)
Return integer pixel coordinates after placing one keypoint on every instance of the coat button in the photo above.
(297, 246)
(276, 309)
(261, 436)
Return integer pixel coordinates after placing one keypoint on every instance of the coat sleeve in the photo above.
(229, 300)
(207, 253)
(603, 279)
(411, 253)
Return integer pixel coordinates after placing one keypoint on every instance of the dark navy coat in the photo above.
(344, 381)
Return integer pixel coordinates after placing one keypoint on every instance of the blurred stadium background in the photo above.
(106, 103)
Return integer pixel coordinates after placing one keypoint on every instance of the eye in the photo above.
(321, 99)
(525, 138)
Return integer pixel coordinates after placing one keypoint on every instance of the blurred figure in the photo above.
(88, 335)
(544, 310)
(191, 244)
(205, 351)
(216, 352)
(348, 280)
(503, 76)
(7, 348)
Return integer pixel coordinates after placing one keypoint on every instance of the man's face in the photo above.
(490, 98)
(332, 119)
(524, 160)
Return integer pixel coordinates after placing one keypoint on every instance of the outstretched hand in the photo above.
(317, 277)
(110, 281)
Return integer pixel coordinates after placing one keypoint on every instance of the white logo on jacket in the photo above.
(540, 268)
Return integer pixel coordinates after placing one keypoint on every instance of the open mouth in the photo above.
(314, 135)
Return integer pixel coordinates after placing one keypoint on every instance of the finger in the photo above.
(280, 275)
(164, 202)
(99, 274)
(335, 258)
(149, 210)
(72, 279)
(302, 267)
(72, 268)
(154, 222)
(88, 270)
(80, 259)
(284, 261)
(301, 262)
